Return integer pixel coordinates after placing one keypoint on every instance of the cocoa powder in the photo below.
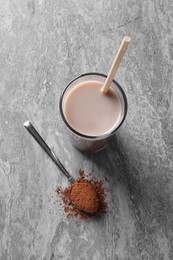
(84, 196)
(90, 195)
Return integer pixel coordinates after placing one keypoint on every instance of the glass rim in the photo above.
(92, 137)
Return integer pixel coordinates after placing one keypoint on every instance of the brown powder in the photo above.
(84, 196)
(81, 173)
(90, 195)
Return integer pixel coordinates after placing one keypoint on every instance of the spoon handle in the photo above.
(47, 149)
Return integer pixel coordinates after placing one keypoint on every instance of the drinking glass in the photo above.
(85, 142)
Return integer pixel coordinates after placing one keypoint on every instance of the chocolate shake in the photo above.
(89, 111)
(91, 116)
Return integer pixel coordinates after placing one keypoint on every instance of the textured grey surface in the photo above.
(43, 45)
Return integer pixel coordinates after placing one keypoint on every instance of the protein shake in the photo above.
(91, 116)
(89, 111)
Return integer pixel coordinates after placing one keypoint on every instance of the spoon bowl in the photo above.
(84, 197)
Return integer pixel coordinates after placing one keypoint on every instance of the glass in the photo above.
(92, 143)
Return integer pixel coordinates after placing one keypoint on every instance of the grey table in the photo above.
(43, 45)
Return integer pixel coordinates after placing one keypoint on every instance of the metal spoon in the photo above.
(47, 149)
(51, 154)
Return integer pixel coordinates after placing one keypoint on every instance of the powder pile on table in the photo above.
(90, 195)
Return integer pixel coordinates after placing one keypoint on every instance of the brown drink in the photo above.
(91, 116)
(91, 112)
